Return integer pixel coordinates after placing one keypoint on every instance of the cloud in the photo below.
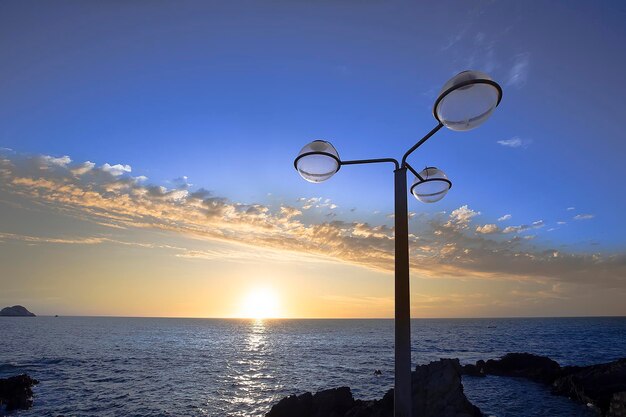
(117, 169)
(518, 75)
(40, 239)
(561, 223)
(308, 203)
(316, 202)
(515, 142)
(83, 168)
(441, 245)
(50, 160)
(200, 194)
(461, 217)
(584, 216)
(570, 208)
(181, 183)
(504, 218)
(522, 228)
(456, 38)
(514, 229)
(290, 212)
(487, 229)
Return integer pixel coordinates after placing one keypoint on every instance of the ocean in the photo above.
(100, 366)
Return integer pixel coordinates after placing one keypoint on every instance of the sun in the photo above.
(261, 303)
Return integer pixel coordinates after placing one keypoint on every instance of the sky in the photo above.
(146, 157)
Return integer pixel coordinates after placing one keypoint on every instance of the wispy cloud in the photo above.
(455, 38)
(515, 142)
(518, 75)
(584, 216)
(58, 240)
(522, 228)
(79, 240)
(316, 202)
(504, 218)
(570, 208)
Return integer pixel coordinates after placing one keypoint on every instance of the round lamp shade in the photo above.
(317, 161)
(432, 187)
(467, 100)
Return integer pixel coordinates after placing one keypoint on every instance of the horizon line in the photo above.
(326, 318)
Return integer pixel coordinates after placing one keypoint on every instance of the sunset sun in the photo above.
(260, 303)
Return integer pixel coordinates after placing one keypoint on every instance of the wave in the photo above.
(7, 367)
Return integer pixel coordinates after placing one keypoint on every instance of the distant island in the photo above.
(16, 311)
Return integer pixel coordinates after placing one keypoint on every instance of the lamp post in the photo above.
(464, 103)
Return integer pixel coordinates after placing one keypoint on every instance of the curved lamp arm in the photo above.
(421, 141)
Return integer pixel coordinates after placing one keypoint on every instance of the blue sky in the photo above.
(226, 93)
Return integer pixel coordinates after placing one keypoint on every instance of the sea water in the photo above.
(97, 366)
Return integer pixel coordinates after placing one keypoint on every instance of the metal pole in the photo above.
(402, 391)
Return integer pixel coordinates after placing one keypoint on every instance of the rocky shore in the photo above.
(438, 389)
(437, 392)
(16, 392)
(602, 386)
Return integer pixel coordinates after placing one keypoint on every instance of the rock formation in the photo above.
(524, 365)
(16, 311)
(602, 385)
(437, 392)
(617, 407)
(16, 392)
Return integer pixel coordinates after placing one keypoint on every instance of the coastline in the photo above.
(242, 367)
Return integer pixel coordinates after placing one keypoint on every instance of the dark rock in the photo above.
(596, 384)
(374, 408)
(16, 311)
(617, 407)
(525, 365)
(333, 402)
(16, 392)
(437, 392)
(329, 403)
(294, 405)
(472, 370)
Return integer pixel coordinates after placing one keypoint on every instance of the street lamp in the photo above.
(465, 102)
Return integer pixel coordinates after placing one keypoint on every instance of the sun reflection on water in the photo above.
(253, 375)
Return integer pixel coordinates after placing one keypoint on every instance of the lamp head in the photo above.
(432, 186)
(317, 161)
(467, 100)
